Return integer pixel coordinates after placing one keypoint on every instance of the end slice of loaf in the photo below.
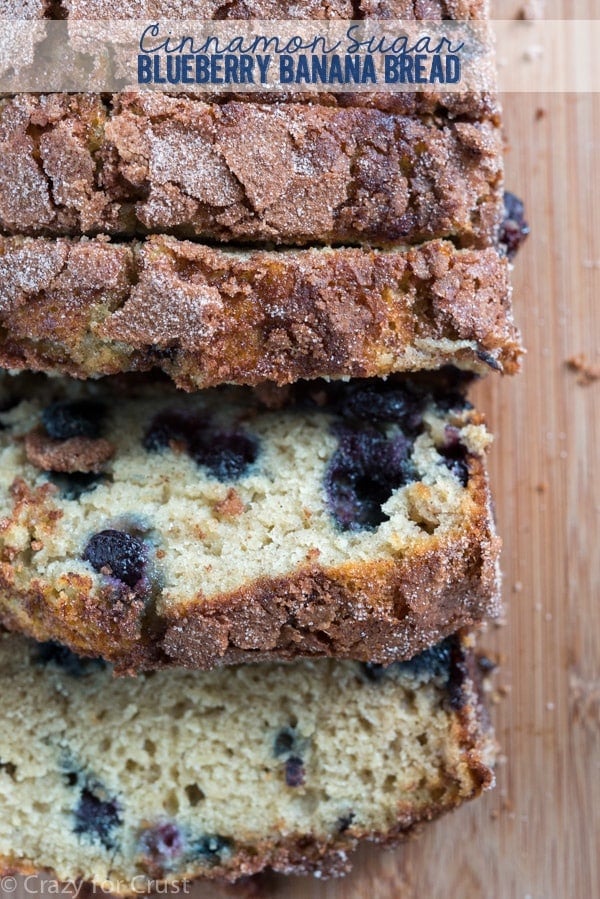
(132, 782)
(156, 528)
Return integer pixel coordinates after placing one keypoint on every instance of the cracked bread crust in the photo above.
(207, 316)
(277, 9)
(211, 594)
(440, 692)
(282, 174)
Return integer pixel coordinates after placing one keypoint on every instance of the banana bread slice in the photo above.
(156, 528)
(207, 316)
(291, 174)
(130, 782)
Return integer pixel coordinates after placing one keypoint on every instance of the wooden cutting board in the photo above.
(537, 834)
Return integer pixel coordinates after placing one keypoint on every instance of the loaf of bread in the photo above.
(132, 782)
(157, 528)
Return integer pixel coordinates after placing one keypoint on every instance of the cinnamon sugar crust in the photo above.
(207, 316)
(291, 174)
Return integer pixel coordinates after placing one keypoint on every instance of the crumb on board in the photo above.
(540, 113)
(531, 10)
(541, 487)
(586, 372)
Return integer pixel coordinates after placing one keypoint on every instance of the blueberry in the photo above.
(383, 402)
(210, 848)
(294, 771)
(434, 661)
(226, 454)
(163, 845)
(284, 741)
(6, 404)
(97, 818)
(80, 418)
(174, 425)
(362, 474)
(344, 822)
(454, 455)
(118, 551)
(51, 653)
(74, 485)
(373, 671)
(514, 229)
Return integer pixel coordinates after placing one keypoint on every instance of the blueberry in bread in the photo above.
(275, 765)
(207, 316)
(163, 528)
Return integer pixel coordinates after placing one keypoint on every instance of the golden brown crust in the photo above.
(372, 611)
(287, 174)
(207, 316)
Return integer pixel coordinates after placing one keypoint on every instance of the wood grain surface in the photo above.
(537, 834)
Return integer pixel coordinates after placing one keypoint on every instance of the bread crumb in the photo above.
(77, 454)
(540, 114)
(531, 10)
(586, 372)
(231, 506)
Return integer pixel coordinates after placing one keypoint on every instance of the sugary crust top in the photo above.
(208, 316)
(288, 174)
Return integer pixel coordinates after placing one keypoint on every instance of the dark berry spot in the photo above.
(381, 401)
(74, 485)
(454, 454)
(81, 418)
(118, 554)
(210, 848)
(432, 662)
(485, 664)
(9, 402)
(374, 671)
(362, 474)
(173, 426)
(52, 653)
(294, 771)
(226, 454)
(345, 821)
(284, 741)
(489, 360)
(9, 768)
(162, 845)
(514, 229)
(97, 818)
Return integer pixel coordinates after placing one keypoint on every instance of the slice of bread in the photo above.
(207, 316)
(164, 528)
(130, 782)
(289, 174)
